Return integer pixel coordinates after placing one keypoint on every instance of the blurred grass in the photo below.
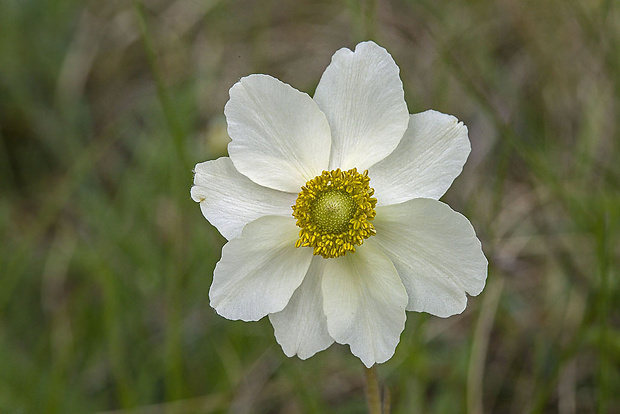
(106, 262)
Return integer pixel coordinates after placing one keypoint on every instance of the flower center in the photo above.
(334, 211)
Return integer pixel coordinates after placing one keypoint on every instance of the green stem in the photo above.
(387, 400)
(373, 397)
(604, 258)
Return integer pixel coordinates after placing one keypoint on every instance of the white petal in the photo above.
(230, 200)
(280, 138)
(436, 253)
(364, 301)
(259, 270)
(362, 96)
(301, 328)
(429, 157)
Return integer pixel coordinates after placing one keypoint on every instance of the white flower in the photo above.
(343, 264)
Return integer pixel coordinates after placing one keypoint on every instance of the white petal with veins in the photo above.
(230, 200)
(301, 328)
(436, 253)
(364, 302)
(280, 138)
(429, 157)
(362, 96)
(259, 270)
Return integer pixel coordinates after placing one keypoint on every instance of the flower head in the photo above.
(331, 212)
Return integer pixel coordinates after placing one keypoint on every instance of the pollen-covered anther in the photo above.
(334, 211)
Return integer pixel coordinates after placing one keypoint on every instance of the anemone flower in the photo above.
(331, 212)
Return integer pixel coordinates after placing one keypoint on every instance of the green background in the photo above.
(106, 262)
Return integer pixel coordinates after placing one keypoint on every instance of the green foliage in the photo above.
(106, 262)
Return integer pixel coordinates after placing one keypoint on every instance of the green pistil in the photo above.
(333, 211)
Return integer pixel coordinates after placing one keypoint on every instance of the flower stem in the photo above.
(373, 397)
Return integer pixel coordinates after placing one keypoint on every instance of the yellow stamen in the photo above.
(334, 211)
